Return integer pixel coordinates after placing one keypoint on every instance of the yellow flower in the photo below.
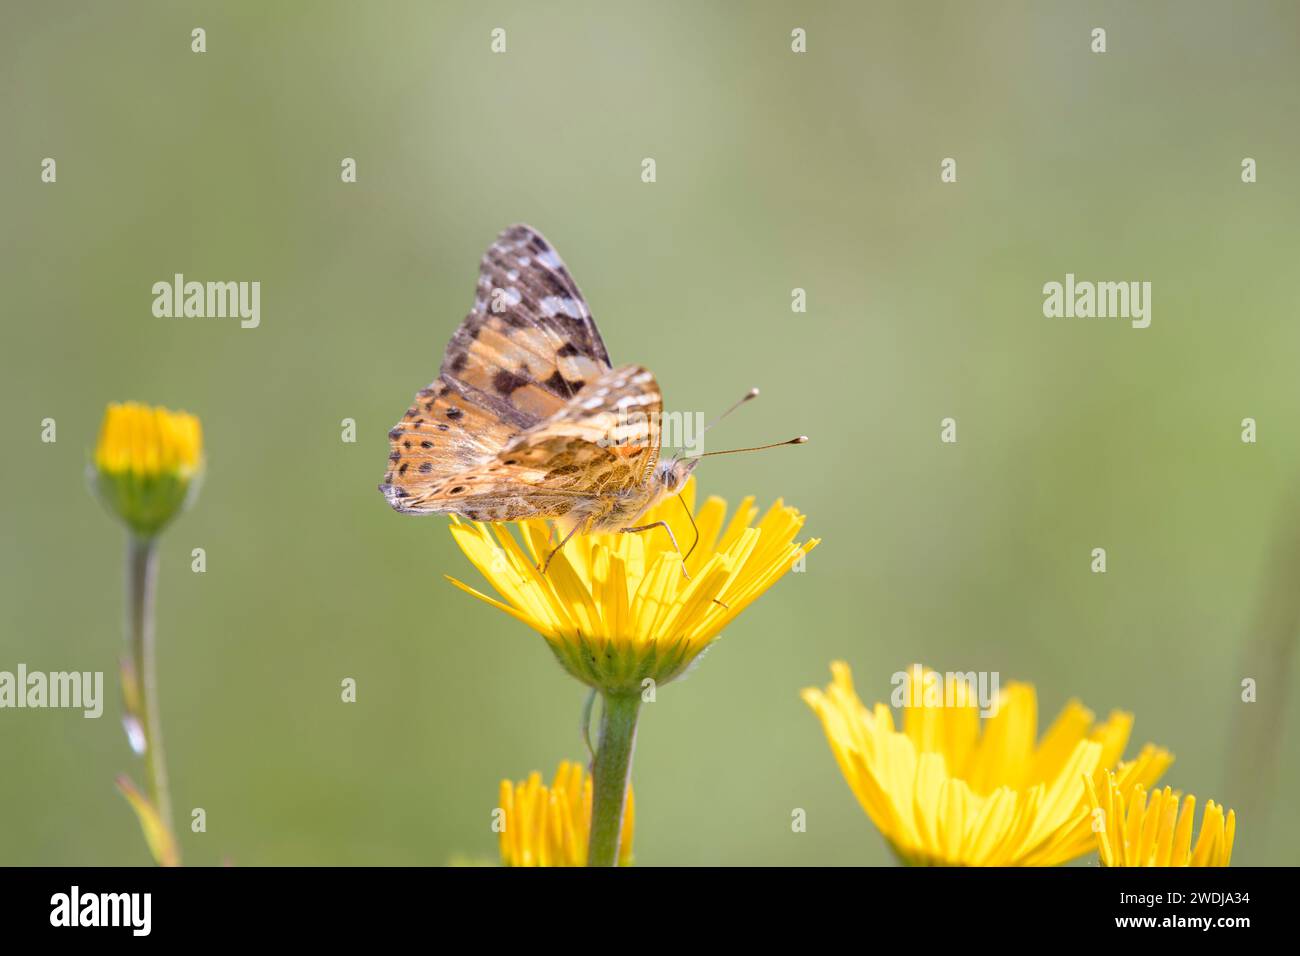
(550, 826)
(1156, 833)
(148, 441)
(944, 793)
(616, 608)
(147, 464)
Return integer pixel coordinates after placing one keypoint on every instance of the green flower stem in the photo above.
(611, 773)
(141, 579)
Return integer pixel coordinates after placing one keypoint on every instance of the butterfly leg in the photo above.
(664, 525)
(556, 550)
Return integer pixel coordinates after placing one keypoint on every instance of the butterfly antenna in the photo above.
(802, 439)
(752, 393)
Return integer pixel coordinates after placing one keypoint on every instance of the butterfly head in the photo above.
(671, 475)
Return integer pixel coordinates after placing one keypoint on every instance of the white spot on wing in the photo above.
(555, 304)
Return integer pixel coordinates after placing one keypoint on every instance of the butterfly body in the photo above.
(528, 418)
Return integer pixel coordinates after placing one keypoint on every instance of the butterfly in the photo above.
(528, 417)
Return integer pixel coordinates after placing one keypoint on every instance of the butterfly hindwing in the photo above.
(619, 413)
(441, 434)
(603, 443)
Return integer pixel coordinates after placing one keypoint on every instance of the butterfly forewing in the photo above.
(530, 343)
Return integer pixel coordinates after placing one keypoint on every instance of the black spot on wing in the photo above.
(506, 382)
(561, 386)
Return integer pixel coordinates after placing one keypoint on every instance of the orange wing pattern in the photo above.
(528, 346)
(591, 462)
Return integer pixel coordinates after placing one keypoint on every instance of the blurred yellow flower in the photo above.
(147, 463)
(943, 792)
(1153, 831)
(550, 826)
(148, 441)
(616, 608)
(146, 470)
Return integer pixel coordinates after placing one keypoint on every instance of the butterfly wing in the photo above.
(586, 461)
(530, 343)
(525, 349)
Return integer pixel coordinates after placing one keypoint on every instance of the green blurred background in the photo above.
(775, 171)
